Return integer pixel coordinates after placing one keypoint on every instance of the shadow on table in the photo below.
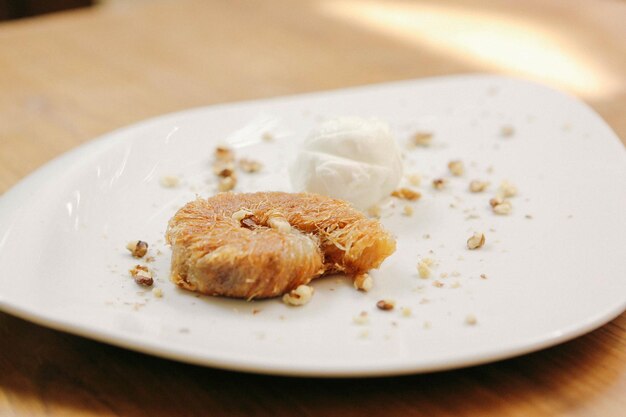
(47, 372)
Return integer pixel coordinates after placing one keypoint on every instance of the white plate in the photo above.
(550, 278)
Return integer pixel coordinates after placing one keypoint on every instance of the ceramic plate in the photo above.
(553, 269)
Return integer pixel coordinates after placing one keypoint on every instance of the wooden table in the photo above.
(67, 78)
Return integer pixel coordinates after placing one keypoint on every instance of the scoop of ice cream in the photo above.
(350, 158)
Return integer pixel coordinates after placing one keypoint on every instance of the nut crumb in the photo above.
(137, 248)
(456, 168)
(406, 312)
(142, 275)
(362, 318)
(483, 276)
(423, 267)
(406, 194)
(169, 181)
(422, 139)
(223, 153)
(227, 183)
(502, 208)
(507, 131)
(386, 305)
(299, 296)
(507, 190)
(408, 211)
(477, 186)
(224, 169)
(414, 179)
(439, 183)
(363, 282)
(250, 166)
(476, 241)
(471, 320)
(157, 292)
(438, 284)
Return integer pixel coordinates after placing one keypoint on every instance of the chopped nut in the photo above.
(362, 318)
(483, 276)
(423, 267)
(279, 222)
(438, 284)
(507, 131)
(241, 214)
(137, 248)
(406, 312)
(507, 190)
(142, 275)
(224, 169)
(386, 304)
(496, 201)
(456, 168)
(503, 208)
(439, 183)
(248, 223)
(374, 211)
(406, 194)
(476, 241)
(250, 166)
(470, 320)
(157, 292)
(422, 138)
(227, 184)
(169, 181)
(299, 296)
(477, 186)
(408, 210)
(222, 153)
(414, 179)
(363, 282)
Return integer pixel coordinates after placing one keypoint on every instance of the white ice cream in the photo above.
(349, 158)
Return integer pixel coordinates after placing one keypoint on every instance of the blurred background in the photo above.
(68, 76)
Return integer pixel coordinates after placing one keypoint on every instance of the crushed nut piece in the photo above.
(503, 208)
(438, 284)
(224, 169)
(496, 201)
(386, 305)
(483, 276)
(299, 296)
(250, 166)
(157, 292)
(470, 320)
(223, 153)
(169, 181)
(507, 190)
(414, 179)
(363, 282)
(439, 183)
(408, 210)
(241, 214)
(476, 241)
(279, 222)
(422, 139)
(423, 267)
(362, 318)
(456, 168)
(477, 186)
(406, 194)
(227, 183)
(142, 275)
(137, 248)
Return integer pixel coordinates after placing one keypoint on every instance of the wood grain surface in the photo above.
(69, 77)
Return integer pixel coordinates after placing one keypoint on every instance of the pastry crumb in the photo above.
(439, 183)
(223, 153)
(226, 184)
(407, 211)
(476, 241)
(414, 179)
(363, 282)
(438, 284)
(299, 296)
(406, 312)
(422, 139)
(157, 292)
(423, 268)
(471, 320)
(142, 275)
(362, 318)
(507, 189)
(250, 166)
(507, 131)
(374, 211)
(267, 137)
